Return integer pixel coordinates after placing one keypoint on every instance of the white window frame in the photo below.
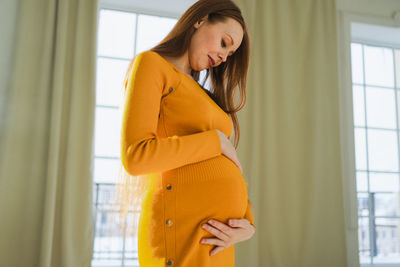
(344, 40)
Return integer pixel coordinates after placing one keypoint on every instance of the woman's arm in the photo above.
(142, 152)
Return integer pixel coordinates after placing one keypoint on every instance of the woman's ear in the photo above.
(200, 22)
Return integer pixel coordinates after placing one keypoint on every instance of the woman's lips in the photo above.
(211, 61)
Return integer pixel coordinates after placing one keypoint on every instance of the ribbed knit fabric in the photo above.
(169, 132)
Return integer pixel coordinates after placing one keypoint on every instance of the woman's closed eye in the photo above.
(223, 43)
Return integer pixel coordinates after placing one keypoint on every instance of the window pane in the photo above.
(151, 31)
(363, 240)
(360, 147)
(386, 204)
(131, 252)
(387, 241)
(381, 110)
(362, 183)
(108, 245)
(382, 150)
(109, 81)
(363, 206)
(106, 170)
(397, 53)
(107, 132)
(398, 106)
(356, 63)
(378, 66)
(201, 78)
(116, 34)
(358, 105)
(384, 182)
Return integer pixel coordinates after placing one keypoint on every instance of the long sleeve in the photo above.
(248, 215)
(142, 151)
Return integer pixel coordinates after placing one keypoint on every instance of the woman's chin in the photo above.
(206, 67)
(201, 67)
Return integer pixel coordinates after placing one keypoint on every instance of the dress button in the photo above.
(169, 186)
(171, 89)
(170, 262)
(169, 222)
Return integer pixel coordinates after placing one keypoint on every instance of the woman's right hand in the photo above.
(228, 149)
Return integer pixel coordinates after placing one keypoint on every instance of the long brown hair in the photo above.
(226, 77)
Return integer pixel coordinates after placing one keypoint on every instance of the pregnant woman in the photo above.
(175, 137)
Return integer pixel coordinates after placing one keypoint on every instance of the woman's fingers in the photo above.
(226, 229)
(229, 150)
(215, 231)
(213, 241)
(216, 250)
(227, 235)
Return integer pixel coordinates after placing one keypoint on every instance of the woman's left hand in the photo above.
(227, 235)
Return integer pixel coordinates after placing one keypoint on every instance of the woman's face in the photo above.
(214, 42)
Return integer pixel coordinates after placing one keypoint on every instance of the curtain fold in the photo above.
(46, 135)
(290, 138)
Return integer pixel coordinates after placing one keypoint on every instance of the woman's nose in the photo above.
(223, 57)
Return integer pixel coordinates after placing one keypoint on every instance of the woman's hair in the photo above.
(224, 79)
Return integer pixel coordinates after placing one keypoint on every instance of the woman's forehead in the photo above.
(232, 28)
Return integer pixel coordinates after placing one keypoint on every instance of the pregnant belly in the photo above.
(210, 189)
(215, 189)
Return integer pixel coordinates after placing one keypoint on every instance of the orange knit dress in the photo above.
(169, 132)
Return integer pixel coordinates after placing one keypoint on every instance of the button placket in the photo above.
(170, 224)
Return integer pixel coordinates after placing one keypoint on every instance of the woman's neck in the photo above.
(182, 63)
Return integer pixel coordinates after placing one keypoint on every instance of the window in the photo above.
(121, 36)
(376, 110)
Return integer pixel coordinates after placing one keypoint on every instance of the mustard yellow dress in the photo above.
(169, 131)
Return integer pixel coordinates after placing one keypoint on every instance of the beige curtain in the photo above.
(290, 143)
(46, 134)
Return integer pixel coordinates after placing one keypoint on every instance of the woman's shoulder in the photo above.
(154, 58)
(154, 65)
(148, 54)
